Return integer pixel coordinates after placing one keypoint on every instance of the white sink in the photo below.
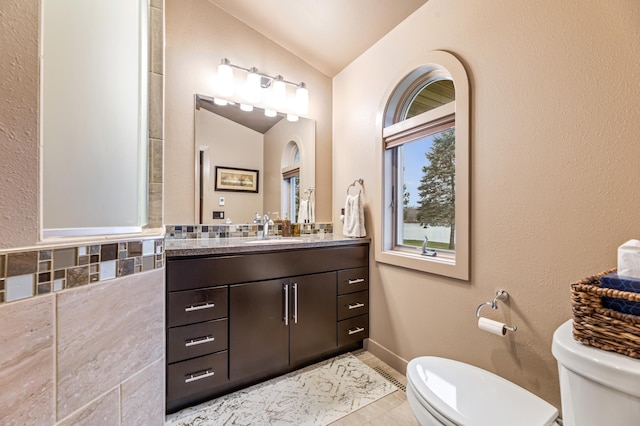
(275, 241)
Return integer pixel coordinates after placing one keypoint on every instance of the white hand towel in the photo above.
(354, 217)
(312, 212)
(303, 212)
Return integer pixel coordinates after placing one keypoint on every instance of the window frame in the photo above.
(436, 65)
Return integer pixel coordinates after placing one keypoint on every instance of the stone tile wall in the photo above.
(31, 273)
(88, 355)
(181, 232)
(82, 327)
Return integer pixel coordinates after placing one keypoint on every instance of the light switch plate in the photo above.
(221, 201)
(218, 215)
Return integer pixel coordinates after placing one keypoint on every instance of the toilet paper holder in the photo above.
(502, 295)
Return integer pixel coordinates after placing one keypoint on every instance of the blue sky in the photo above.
(414, 160)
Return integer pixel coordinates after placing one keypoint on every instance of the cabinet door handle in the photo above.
(355, 330)
(356, 305)
(286, 304)
(206, 305)
(204, 374)
(356, 281)
(199, 341)
(295, 303)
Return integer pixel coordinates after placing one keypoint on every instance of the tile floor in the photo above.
(391, 410)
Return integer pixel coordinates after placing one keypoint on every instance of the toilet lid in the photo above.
(468, 395)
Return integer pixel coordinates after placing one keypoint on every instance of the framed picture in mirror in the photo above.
(238, 180)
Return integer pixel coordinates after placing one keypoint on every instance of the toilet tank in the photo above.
(597, 387)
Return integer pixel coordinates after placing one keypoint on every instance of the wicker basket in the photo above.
(600, 327)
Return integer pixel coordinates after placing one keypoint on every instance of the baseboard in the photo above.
(391, 359)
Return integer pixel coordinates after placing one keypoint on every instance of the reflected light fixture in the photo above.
(259, 89)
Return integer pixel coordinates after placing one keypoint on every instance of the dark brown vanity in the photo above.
(237, 316)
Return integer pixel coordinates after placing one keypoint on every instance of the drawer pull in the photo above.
(355, 330)
(356, 281)
(356, 305)
(204, 375)
(199, 341)
(206, 305)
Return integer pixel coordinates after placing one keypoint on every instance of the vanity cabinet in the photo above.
(197, 342)
(353, 305)
(280, 324)
(235, 319)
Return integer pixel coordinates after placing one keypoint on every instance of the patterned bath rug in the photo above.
(316, 395)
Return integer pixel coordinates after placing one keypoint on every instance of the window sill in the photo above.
(418, 262)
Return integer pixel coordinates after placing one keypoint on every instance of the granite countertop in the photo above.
(214, 246)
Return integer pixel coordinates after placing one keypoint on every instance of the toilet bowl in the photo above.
(597, 387)
(442, 391)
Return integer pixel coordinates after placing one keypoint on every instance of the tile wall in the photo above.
(82, 326)
(31, 273)
(240, 231)
(86, 355)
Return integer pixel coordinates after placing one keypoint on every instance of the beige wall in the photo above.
(554, 181)
(198, 35)
(19, 68)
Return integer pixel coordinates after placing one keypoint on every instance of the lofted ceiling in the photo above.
(327, 34)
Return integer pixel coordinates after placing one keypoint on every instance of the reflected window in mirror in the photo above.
(426, 176)
(291, 181)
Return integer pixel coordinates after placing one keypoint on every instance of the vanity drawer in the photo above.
(190, 341)
(187, 307)
(353, 280)
(196, 375)
(353, 304)
(353, 330)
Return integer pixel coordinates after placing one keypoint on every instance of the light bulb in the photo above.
(246, 107)
(292, 117)
(224, 81)
(270, 113)
(302, 99)
(220, 101)
(252, 88)
(279, 92)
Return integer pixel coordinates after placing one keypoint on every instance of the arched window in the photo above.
(425, 222)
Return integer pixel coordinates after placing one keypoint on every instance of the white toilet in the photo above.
(597, 388)
(442, 391)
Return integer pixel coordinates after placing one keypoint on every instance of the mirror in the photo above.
(275, 155)
(94, 158)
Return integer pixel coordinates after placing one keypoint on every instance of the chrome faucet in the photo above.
(265, 225)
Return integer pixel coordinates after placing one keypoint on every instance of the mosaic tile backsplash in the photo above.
(239, 231)
(37, 272)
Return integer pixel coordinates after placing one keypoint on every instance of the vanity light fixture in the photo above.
(261, 90)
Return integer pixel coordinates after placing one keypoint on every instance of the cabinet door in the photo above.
(258, 335)
(313, 316)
